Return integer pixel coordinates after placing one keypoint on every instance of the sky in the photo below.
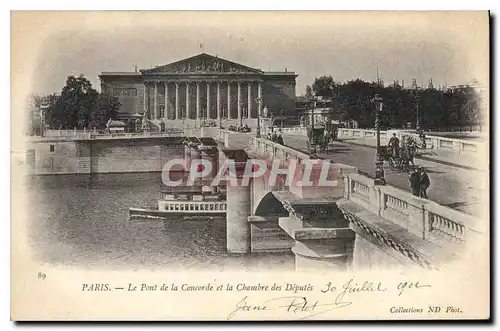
(449, 48)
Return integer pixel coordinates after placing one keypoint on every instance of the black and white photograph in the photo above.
(250, 165)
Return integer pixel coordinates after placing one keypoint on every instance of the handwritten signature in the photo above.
(291, 304)
(305, 308)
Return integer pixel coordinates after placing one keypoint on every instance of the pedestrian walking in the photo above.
(425, 182)
(394, 145)
(415, 183)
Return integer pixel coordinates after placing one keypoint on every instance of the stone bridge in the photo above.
(352, 224)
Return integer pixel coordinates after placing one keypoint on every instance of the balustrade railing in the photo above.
(424, 218)
(270, 150)
(432, 142)
(192, 206)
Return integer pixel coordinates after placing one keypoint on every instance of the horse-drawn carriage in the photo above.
(315, 139)
(397, 161)
(401, 158)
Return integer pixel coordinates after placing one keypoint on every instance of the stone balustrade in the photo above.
(432, 142)
(232, 139)
(192, 206)
(80, 135)
(421, 217)
(273, 151)
(296, 130)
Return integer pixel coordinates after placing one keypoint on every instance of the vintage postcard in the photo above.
(227, 166)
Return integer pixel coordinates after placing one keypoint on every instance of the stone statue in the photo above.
(265, 111)
(219, 67)
(108, 123)
(144, 120)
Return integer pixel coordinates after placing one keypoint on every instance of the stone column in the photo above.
(239, 100)
(156, 101)
(177, 106)
(208, 100)
(259, 95)
(165, 114)
(229, 100)
(218, 101)
(187, 101)
(249, 100)
(238, 210)
(145, 101)
(198, 116)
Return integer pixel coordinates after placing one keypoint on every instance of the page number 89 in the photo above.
(42, 276)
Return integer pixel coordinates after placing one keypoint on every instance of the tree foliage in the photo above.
(447, 109)
(81, 106)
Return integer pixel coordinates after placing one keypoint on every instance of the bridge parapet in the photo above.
(432, 142)
(232, 139)
(420, 229)
(424, 218)
(270, 150)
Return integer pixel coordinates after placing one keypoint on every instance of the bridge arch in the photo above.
(270, 205)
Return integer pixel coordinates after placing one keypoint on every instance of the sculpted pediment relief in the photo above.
(203, 63)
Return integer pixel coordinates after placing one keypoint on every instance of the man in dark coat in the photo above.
(279, 138)
(274, 137)
(394, 145)
(425, 182)
(415, 183)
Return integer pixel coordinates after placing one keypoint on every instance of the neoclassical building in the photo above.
(201, 87)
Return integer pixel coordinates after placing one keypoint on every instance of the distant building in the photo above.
(200, 87)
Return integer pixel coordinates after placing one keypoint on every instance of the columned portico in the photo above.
(242, 105)
(234, 86)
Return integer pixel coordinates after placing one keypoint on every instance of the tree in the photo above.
(81, 106)
(323, 86)
(106, 107)
(438, 109)
(74, 105)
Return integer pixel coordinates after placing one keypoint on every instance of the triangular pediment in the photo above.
(202, 63)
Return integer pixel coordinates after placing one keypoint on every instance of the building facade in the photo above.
(199, 88)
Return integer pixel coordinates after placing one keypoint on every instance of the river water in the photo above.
(82, 221)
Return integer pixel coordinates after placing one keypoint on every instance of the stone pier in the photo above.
(238, 206)
(323, 238)
(210, 154)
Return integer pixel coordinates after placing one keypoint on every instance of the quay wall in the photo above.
(53, 157)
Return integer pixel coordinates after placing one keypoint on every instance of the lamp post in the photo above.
(379, 163)
(282, 114)
(312, 142)
(417, 104)
(259, 100)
